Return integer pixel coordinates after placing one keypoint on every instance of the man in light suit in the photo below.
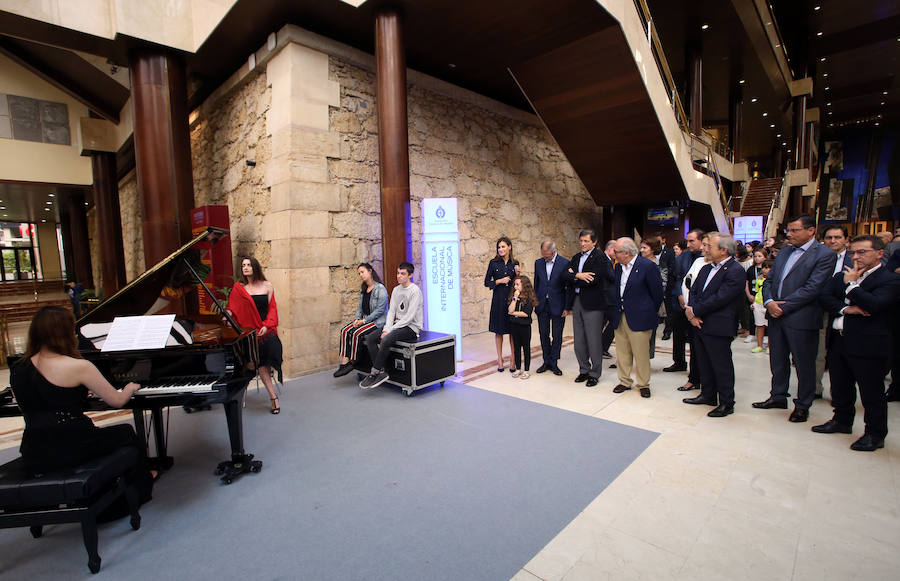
(859, 302)
(552, 290)
(590, 273)
(713, 311)
(790, 296)
(640, 294)
(834, 237)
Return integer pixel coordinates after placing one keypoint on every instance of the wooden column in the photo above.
(800, 132)
(108, 222)
(79, 258)
(393, 146)
(162, 151)
(735, 120)
(693, 65)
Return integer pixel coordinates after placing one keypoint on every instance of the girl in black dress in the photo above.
(51, 383)
(502, 269)
(521, 305)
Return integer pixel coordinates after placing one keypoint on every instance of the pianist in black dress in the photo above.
(252, 304)
(51, 383)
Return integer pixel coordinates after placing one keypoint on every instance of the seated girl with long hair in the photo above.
(370, 316)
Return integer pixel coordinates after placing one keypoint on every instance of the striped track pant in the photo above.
(351, 337)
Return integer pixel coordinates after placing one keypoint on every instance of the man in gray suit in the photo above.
(790, 295)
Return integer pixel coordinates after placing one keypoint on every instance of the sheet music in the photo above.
(147, 332)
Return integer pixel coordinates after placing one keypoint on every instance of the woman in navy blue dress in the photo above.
(501, 271)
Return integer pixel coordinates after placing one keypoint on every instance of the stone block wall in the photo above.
(310, 209)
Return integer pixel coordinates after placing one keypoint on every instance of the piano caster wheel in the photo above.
(136, 522)
(256, 466)
(408, 393)
(227, 480)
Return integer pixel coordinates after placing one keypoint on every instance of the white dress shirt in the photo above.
(839, 265)
(852, 285)
(626, 272)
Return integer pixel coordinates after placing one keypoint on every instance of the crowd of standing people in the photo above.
(808, 304)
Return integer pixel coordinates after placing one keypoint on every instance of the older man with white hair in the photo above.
(713, 311)
(640, 293)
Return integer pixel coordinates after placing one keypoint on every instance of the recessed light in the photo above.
(789, 151)
(828, 104)
(784, 143)
(877, 124)
(46, 209)
(2, 207)
(772, 126)
(884, 93)
(49, 202)
(754, 100)
(820, 33)
(52, 195)
(704, 27)
(765, 114)
(822, 60)
(825, 74)
(777, 135)
(86, 204)
(882, 102)
(43, 221)
(817, 8)
(451, 65)
(741, 82)
(827, 88)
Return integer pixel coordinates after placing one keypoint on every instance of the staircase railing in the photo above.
(708, 141)
(776, 207)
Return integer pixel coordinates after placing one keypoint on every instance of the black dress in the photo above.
(271, 352)
(499, 269)
(58, 435)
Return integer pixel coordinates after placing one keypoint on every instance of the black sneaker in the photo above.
(372, 381)
(344, 369)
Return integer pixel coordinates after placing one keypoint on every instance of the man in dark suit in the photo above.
(590, 273)
(640, 294)
(859, 302)
(790, 296)
(834, 237)
(552, 291)
(713, 311)
(682, 330)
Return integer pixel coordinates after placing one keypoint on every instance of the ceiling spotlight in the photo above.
(741, 82)
(877, 124)
(754, 100)
(86, 204)
(789, 151)
(772, 126)
(47, 209)
(2, 207)
(825, 74)
(827, 88)
(817, 8)
(43, 221)
(882, 102)
(884, 93)
(704, 27)
(822, 60)
(828, 104)
(777, 135)
(820, 33)
(784, 143)
(49, 202)
(52, 195)
(765, 114)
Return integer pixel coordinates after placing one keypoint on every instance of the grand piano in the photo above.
(211, 362)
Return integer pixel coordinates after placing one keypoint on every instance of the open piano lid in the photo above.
(177, 270)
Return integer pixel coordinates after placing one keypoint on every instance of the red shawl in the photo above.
(241, 304)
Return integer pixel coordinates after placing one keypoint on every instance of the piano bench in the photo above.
(73, 495)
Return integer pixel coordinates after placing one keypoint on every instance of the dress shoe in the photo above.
(771, 403)
(675, 367)
(893, 394)
(688, 387)
(817, 396)
(620, 388)
(832, 427)
(699, 400)
(613, 366)
(645, 392)
(543, 368)
(606, 355)
(666, 336)
(582, 377)
(556, 371)
(721, 411)
(868, 443)
(591, 382)
(799, 415)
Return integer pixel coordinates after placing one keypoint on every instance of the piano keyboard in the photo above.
(199, 385)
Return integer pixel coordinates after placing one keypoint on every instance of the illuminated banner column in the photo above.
(440, 256)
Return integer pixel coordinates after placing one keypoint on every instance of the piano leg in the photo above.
(240, 463)
(161, 461)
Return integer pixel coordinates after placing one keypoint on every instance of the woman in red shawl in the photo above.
(252, 304)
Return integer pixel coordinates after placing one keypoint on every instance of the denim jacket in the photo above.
(378, 302)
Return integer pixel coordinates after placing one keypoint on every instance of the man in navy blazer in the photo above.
(552, 290)
(791, 297)
(713, 311)
(859, 302)
(834, 237)
(640, 294)
(590, 273)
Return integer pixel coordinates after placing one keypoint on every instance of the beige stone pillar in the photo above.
(299, 223)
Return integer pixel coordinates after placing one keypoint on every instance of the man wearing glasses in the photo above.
(790, 296)
(859, 301)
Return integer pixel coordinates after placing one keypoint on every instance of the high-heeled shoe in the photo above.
(276, 409)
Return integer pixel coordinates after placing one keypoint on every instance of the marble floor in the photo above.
(749, 496)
